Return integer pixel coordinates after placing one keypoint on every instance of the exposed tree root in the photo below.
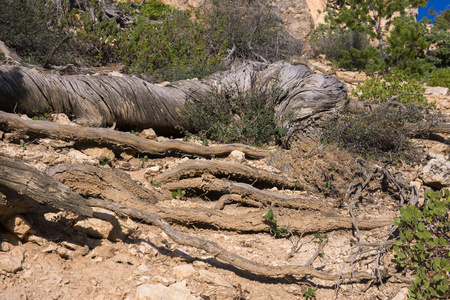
(223, 254)
(111, 138)
(247, 194)
(257, 177)
(23, 178)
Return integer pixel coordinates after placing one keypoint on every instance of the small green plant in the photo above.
(105, 161)
(178, 194)
(274, 229)
(423, 245)
(310, 293)
(320, 237)
(440, 77)
(380, 90)
(154, 184)
(144, 159)
(135, 132)
(22, 143)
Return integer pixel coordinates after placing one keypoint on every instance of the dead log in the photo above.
(112, 138)
(246, 193)
(29, 181)
(235, 171)
(428, 127)
(133, 103)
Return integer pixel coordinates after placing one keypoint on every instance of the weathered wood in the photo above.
(247, 194)
(238, 172)
(29, 181)
(133, 103)
(108, 137)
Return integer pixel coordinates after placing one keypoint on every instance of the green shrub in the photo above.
(423, 246)
(30, 27)
(440, 77)
(336, 43)
(252, 28)
(439, 37)
(232, 115)
(380, 90)
(376, 133)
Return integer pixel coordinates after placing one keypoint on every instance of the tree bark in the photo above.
(133, 103)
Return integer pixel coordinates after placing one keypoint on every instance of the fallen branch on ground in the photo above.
(112, 138)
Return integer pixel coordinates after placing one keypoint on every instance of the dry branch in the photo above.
(110, 138)
(247, 193)
(195, 168)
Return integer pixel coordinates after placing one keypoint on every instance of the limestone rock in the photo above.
(237, 156)
(98, 152)
(212, 278)
(402, 294)
(436, 173)
(17, 225)
(94, 228)
(176, 291)
(148, 134)
(437, 91)
(61, 119)
(153, 170)
(184, 271)
(80, 157)
(9, 263)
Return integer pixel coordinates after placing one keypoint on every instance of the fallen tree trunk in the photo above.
(111, 138)
(133, 103)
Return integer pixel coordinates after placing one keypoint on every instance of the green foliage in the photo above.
(403, 49)
(178, 194)
(337, 43)
(231, 115)
(144, 159)
(22, 144)
(136, 133)
(155, 9)
(381, 89)
(155, 185)
(422, 247)
(274, 229)
(407, 44)
(30, 27)
(440, 77)
(439, 37)
(105, 161)
(310, 293)
(320, 237)
(252, 28)
(379, 132)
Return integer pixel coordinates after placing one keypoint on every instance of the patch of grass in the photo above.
(276, 231)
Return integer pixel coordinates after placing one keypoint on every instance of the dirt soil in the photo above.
(60, 261)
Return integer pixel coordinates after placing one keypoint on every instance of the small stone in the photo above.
(61, 119)
(99, 152)
(27, 274)
(81, 157)
(143, 268)
(402, 294)
(237, 155)
(436, 173)
(18, 226)
(184, 271)
(50, 248)
(152, 171)
(9, 263)
(212, 278)
(148, 134)
(5, 246)
(94, 228)
(18, 252)
(161, 292)
(437, 90)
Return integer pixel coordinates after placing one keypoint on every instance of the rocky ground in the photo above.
(60, 256)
